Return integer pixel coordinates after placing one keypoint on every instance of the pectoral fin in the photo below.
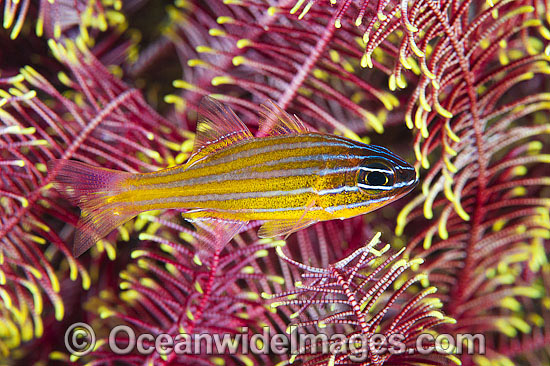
(274, 228)
(286, 227)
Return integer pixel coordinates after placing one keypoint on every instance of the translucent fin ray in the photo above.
(217, 128)
(212, 233)
(274, 228)
(94, 226)
(90, 188)
(279, 122)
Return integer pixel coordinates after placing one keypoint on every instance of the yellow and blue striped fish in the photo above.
(290, 179)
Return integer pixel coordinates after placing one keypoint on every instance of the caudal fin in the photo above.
(91, 188)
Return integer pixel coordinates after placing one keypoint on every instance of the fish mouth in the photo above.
(408, 179)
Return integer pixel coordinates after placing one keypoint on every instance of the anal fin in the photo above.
(212, 233)
(95, 226)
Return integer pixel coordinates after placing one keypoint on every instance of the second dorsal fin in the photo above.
(274, 121)
(218, 127)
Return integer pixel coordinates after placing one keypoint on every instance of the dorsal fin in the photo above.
(218, 126)
(274, 121)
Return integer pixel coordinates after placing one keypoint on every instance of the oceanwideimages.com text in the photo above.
(80, 339)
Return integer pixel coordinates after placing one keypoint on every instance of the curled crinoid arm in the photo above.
(170, 287)
(54, 18)
(98, 120)
(368, 292)
(311, 68)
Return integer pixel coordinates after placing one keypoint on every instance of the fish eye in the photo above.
(375, 175)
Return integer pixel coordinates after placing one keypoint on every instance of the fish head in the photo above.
(383, 177)
(383, 171)
(374, 177)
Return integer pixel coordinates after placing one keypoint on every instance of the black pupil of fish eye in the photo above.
(376, 175)
(376, 179)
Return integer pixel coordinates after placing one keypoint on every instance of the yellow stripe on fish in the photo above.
(291, 179)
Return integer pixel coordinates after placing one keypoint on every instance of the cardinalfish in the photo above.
(290, 179)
